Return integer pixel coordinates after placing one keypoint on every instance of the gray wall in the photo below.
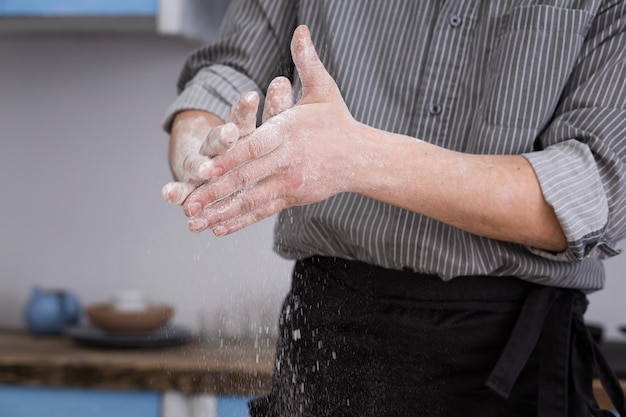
(82, 163)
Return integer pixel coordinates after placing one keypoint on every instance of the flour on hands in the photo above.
(297, 156)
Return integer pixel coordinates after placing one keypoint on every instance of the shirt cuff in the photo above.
(214, 89)
(570, 182)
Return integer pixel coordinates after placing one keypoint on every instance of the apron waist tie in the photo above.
(567, 347)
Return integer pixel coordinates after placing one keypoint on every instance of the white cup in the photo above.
(129, 300)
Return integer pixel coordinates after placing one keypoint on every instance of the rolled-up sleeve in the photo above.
(252, 49)
(580, 161)
(213, 89)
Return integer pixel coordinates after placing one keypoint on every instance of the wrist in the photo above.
(376, 157)
(204, 117)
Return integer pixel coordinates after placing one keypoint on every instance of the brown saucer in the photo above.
(105, 317)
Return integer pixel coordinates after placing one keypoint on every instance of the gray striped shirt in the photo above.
(545, 79)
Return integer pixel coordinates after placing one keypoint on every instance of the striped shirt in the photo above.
(542, 79)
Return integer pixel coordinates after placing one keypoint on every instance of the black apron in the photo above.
(360, 340)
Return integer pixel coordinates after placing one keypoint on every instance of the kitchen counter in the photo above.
(244, 370)
(56, 361)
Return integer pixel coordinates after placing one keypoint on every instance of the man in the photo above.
(448, 182)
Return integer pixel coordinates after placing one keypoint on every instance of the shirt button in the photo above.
(454, 21)
(434, 109)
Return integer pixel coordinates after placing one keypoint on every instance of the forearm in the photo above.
(495, 196)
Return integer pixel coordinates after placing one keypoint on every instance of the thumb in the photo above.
(317, 84)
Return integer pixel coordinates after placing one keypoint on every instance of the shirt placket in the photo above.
(439, 83)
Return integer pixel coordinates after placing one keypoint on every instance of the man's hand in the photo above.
(298, 156)
(197, 137)
(188, 132)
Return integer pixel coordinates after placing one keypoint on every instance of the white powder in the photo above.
(296, 334)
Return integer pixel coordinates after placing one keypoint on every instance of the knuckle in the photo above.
(210, 147)
(187, 163)
(221, 139)
(276, 206)
(242, 178)
(247, 203)
(264, 212)
(226, 142)
(253, 148)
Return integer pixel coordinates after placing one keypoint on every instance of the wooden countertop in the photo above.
(57, 361)
(602, 397)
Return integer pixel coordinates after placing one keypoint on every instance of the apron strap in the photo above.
(584, 348)
(568, 354)
(521, 343)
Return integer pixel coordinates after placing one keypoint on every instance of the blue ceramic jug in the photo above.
(50, 312)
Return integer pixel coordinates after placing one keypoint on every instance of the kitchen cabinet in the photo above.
(22, 401)
(196, 19)
(78, 7)
(77, 16)
(18, 401)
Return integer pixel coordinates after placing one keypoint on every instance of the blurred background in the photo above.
(83, 159)
(84, 86)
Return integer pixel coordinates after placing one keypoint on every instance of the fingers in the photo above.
(177, 192)
(220, 140)
(279, 98)
(192, 166)
(239, 210)
(317, 84)
(243, 113)
(242, 177)
(248, 219)
(241, 122)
